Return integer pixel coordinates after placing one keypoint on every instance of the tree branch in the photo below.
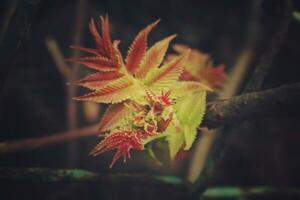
(72, 110)
(267, 58)
(273, 102)
(33, 143)
(47, 175)
(83, 184)
(16, 177)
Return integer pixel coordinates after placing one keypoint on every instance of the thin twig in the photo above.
(58, 58)
(33, 143)
(72, 115)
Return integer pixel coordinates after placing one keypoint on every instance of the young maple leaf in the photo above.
(141, 89)
(123, 141)
(142, 123)
(199, 67)
(117, 79)
(111, 84)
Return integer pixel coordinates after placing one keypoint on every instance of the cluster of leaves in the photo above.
(149, 98)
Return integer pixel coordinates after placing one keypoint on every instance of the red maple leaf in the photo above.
(123, 141)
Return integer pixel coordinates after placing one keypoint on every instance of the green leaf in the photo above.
(190, 111)
(175, 139)
(190, 134)
(198, 103)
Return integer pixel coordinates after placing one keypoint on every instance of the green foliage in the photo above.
(175, 139)
(190, 111)
(296, 15)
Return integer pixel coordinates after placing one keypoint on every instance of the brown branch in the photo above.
(267, 58)
(70, 183)
(37, 179)
(284, 100)
(33, 143)
(58, 58)
(47, 175)
(72, 111)
(273, 102)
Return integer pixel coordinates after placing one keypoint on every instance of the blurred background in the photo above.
(35, 99)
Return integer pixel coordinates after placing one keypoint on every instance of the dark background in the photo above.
(33, 97)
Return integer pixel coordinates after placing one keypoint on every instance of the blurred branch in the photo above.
(33, 143)
(42, 175)
(58, 58)
(202, 151)
(254, 105)
(244, 59)
(15, 33)
(236, 76)
(72, 111)
(283, 100)
(267, 58)
(8, 14)
(46, 175)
